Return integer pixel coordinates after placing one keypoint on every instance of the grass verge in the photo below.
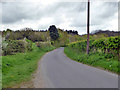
(19, 68)
(94, 59)
(0, 73)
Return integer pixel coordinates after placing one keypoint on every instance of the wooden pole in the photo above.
(88, 24)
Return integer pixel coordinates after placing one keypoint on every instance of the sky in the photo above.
(67, 14)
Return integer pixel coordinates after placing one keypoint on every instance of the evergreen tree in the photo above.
(53, 32)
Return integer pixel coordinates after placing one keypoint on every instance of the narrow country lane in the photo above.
(58, 71)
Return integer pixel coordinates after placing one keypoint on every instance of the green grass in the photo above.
(0, 73)
(96, 59)
(19, 68)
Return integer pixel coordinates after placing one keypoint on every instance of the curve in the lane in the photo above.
(59, 71)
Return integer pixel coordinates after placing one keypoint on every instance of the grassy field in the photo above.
(19, 68)
(96, 59)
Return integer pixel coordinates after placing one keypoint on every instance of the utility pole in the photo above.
(88, 24)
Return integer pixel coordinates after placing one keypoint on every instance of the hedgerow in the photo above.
(105, 45)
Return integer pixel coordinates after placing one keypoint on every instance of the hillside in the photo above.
(40, 36)
(107, 32)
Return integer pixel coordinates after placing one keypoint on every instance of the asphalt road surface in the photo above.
(58, 71)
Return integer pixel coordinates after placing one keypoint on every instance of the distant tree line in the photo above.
(107, 32)
(72, 32)
(30, 34)
(35, 35)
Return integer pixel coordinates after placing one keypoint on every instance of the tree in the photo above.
(53, 33)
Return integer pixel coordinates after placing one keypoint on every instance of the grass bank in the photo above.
(0, 73)
(19, 68)
(95, 59)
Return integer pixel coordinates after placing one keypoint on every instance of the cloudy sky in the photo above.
(71, 15)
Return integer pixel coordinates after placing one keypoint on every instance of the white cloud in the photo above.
(40, 14)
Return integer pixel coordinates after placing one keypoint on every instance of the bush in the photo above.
(109, 45)
(45, 46)
(15, 46)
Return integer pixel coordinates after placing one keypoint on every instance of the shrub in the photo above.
(45, 46)
(109, 45)
(14, 46)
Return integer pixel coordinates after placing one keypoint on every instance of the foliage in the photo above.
(46, 46)
(0, 72)
(65, 37)
(106, 33)
(53, 32)
(106, 45)
(72, 32)
(97, 59)
(14, 46)
(19, 68)
(34, 36)
(103, 52)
